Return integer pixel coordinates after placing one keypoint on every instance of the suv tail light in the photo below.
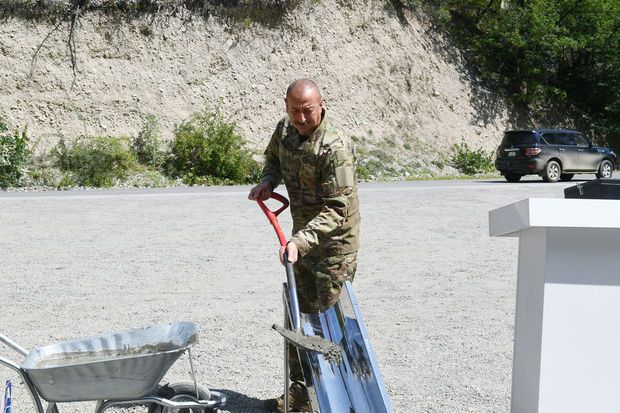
(531, 151)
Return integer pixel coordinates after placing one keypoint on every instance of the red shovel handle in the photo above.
(272, 216)
(290, 273)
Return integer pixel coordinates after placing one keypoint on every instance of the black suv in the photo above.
(553, 154)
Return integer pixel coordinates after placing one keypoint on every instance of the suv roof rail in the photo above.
(542, 130)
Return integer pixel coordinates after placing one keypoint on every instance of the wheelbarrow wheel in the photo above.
(178, 392)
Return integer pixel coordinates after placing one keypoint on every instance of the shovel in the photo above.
(351, 384)
(330, 350)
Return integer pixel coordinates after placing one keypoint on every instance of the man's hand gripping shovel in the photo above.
(328, 349)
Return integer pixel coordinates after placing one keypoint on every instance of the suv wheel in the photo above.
(552, 172)
(605, 170)
(566, 177)
(512, 177)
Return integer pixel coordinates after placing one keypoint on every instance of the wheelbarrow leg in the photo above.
(31, 389)
(51, 408)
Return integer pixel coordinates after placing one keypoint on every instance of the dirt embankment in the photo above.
(386, 75)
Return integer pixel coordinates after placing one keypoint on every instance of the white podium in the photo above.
(567, 327)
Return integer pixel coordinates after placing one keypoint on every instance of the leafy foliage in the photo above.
(207, 149)
(148, 144)
(99, 161)
(268, 12)
(471, 162)
(545, 51)
(14, 156)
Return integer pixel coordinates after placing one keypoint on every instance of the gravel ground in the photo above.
(437, 292)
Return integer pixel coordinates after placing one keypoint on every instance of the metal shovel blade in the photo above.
(329, 350)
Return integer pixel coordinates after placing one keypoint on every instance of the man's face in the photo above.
(304, 109)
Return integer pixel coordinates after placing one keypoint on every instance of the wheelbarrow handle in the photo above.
(21, 350)
(272, 216)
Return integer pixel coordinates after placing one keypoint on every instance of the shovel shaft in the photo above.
(292, 293)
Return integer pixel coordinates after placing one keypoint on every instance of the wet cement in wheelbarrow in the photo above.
(93, 356)
(330, 350)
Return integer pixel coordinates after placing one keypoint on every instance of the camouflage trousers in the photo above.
(319, 282)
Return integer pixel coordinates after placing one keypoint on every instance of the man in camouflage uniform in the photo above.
(316, 161)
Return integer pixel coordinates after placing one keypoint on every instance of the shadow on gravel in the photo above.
(241, 403)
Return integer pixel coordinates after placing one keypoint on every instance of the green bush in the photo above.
(207, 150)
(14, 156)
(148, 144)
(44, 176)
(99, 161)
(471, 162)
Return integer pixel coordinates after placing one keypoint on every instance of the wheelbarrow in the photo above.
(115, 369)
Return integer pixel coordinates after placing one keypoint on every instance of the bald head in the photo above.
(304, 106)
(302, 87)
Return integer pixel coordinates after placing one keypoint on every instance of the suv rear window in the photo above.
(518, 138)
(559, 138)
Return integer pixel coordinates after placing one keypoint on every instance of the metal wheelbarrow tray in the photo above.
(116, 366)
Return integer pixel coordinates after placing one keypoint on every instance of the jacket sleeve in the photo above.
(271, 171)
(338, 188)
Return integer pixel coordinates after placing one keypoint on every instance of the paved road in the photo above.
(436, 291)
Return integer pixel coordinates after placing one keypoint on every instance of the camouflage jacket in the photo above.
(319, 174)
